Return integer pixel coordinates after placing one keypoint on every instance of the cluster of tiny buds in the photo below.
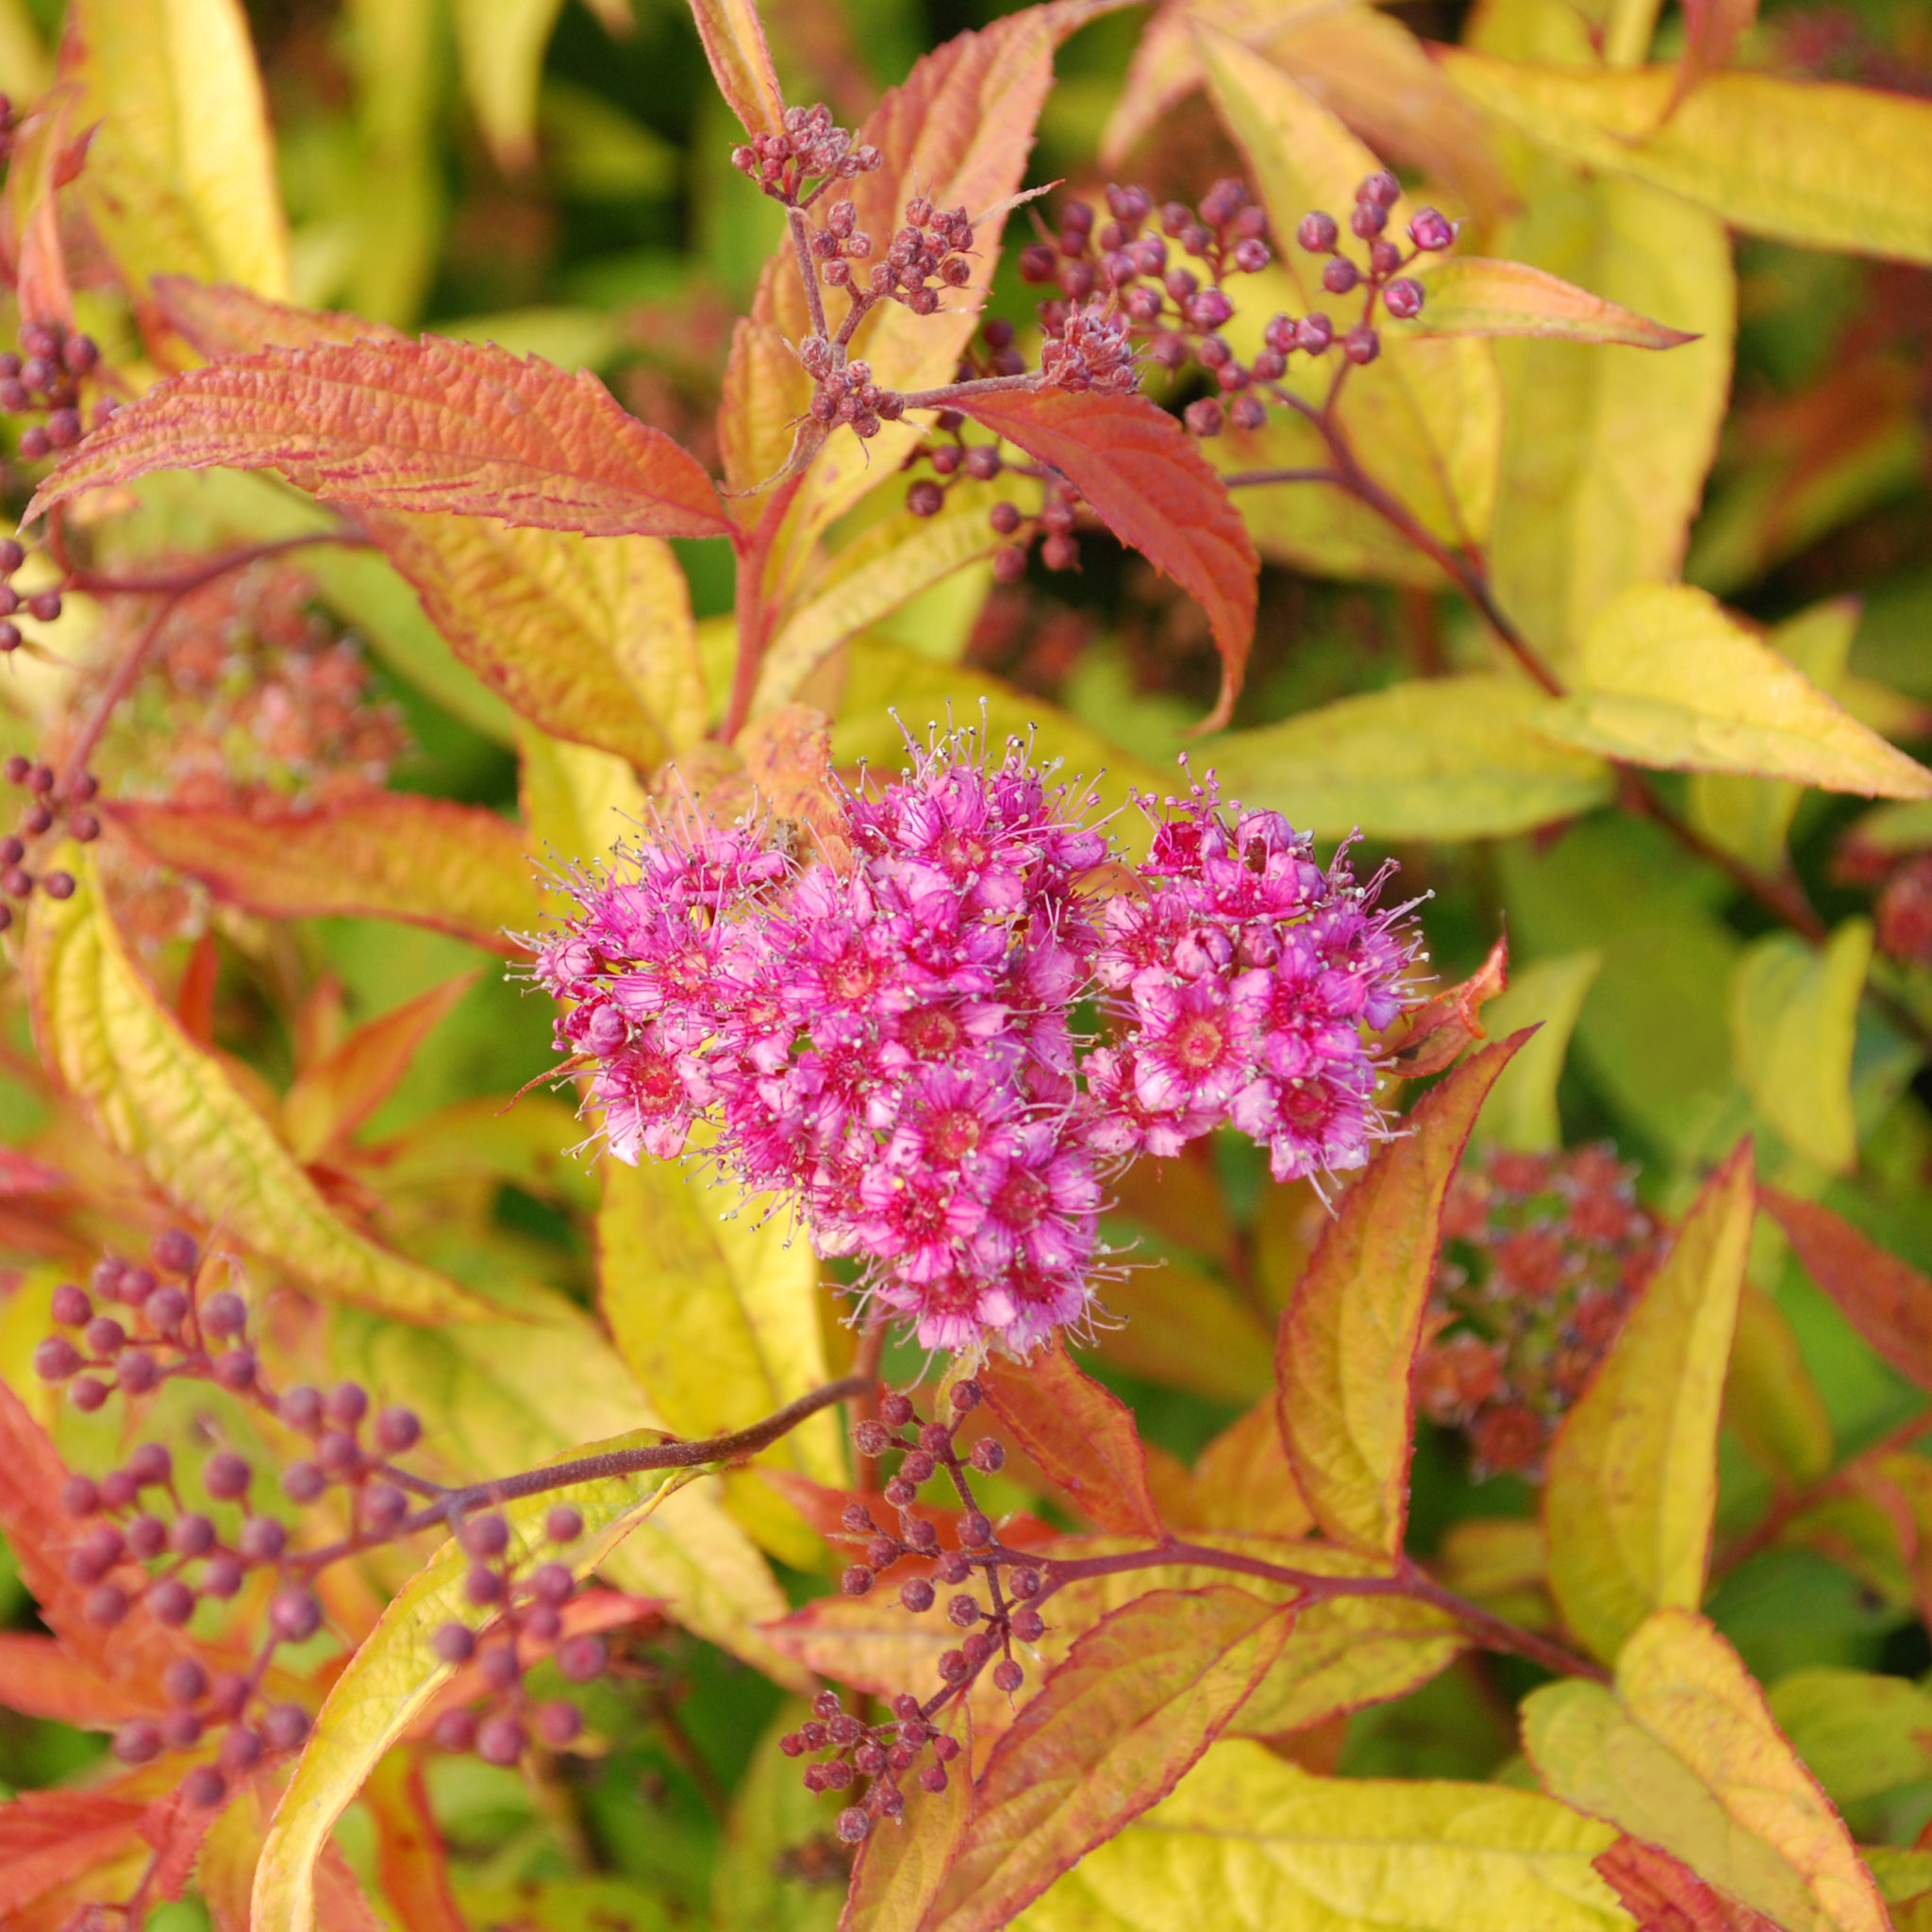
(42, 810)
(44, 375)
(846, 394)
(927, 254)
(982, 462)
(886, 1752)
(41, 604)
(797, 165)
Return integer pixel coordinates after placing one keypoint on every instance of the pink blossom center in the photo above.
(1023, 1200)
(1198, 1044)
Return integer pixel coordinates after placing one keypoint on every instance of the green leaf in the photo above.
(159, 1100)
(1794, 1012)
(1632, 1484)
(1859, 1733)
(1770, 1397)
(1349, 1334)
(455, 868)
(1137, 1701)
(1809, 161)
(395, 1672)
(1684, 1754)
(1467, 295)
(500, 48)
(1667, 678)
(1451, 758)
(1250, 1841)
(180, 172)
(1521, 1111)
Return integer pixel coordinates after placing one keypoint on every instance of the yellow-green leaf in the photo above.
(1770, 1397)
(578, 802)
(1809, 161)
(180, 175)
(162, 1102)
(1794, 1015)
(1446, 758)
(761, 1880)
(500, 48)
(1180, 1327)
(395, 1672)
(1632, 1482)
(1250, 1844)
(1349, 1334)
(1521, 1111)
(1667, 678)
(1857, 1732)
(1684, 1754)
(1467, 295)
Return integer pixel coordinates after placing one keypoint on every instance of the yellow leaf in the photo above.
(734, 39)
(1810, 162)
(1771, 1398)
(1250, 1844)
(1667, 678)
(1180, 1327)
(500, 48)
(1521, 1111)
(1470, 296)
(578, 802)
(1684, 1754)
(1605, 449)
(24, 68)
(1632, 1482)
(1794, 1015)
(1468, 757)
(1348, 1337)
(1859, 1733)
(158, 1099)
(395, 1672)
(180, 177)
(1242, 1479)
(899, 1872)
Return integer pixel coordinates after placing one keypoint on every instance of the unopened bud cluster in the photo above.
(812, 152)
(1544, 1256)
(43, 378)
(50, 808)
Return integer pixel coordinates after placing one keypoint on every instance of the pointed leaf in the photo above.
(1243, 1479)
(1663, 1895)
(41, 1677)
(180, 174)
(1683, 1754)
(734, 39)
(1147, 481)
(220, 319)
(1715, 26)
(1810, 162)
(1469, 297)
(1770, 1397)
(1081, 1436)
(899, 1872)
(1348, 1337)
(402, 425)
(47, 1837)
(1250, 1840)
(1632, 1484)
(1888, 1303)
(457, 868)
(1139, 1699)
(396, 1672)
(1522, 1107)
(159, 1100)
(1668, 679)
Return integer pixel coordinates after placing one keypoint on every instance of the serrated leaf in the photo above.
(1684, 1754)
(1251, 1842)
(47, 1837)
(1666, 678)
(1887, 1301)
(1663, 1895)
(1521, 1111)
(1348, 1337)
(1632, 1485)
(1145, 477)
(1794, 1015)
(1081, 1436)
(457, 868)
(180, 174)
(219, 319)
(1859, 1733)
(1448, 758)
(1810, 162)
(734, 39)
(1138, 1700)
(899, 1872)
(159, 1100)
(395, 1672)
(411, 425)
(1467, 295)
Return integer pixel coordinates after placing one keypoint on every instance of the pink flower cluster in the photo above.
(892, 1046)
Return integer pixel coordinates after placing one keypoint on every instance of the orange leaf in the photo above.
(823, 1509)
(1663, 1895)
(1080, 1434)
(47, 1837)
(1888, 1303)
(1438, 1032)
(41, 1677)
(422, 426)
(457, 868)
(734, 39)
(219, 319)
(1468, 295)
(410, 1858)
(1712, 31)
(1348, 1337)
(1136, 1702)
(19, 1175)
(1146, 480)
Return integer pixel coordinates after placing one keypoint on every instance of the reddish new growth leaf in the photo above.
(1437, 1033)
(1082, 1436)
(425, 425)
(1147, 482)
(217, 319)
(1664, 1895)
(20, 1175)
(1887, 1301)
(47, 1837)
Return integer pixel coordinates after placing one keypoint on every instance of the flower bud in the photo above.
(1341, 276)
(1403, 298)
(563, 1525)
(147, 1537)
(1361, 343)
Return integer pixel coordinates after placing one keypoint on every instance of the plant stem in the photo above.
(754, 612)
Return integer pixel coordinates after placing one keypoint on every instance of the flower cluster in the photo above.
(891, 1047)
(1544, 1256)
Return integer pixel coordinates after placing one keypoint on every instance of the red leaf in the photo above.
(1136, 1703)
(1888, 1303)
(411, 425)
(1664, 1895)
(19, 1175)
(458, 867)
(47, 1837)
(175, 1828)
(411, 1861)
(1082, 1436)
(1146, 480)
(1713, 28)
